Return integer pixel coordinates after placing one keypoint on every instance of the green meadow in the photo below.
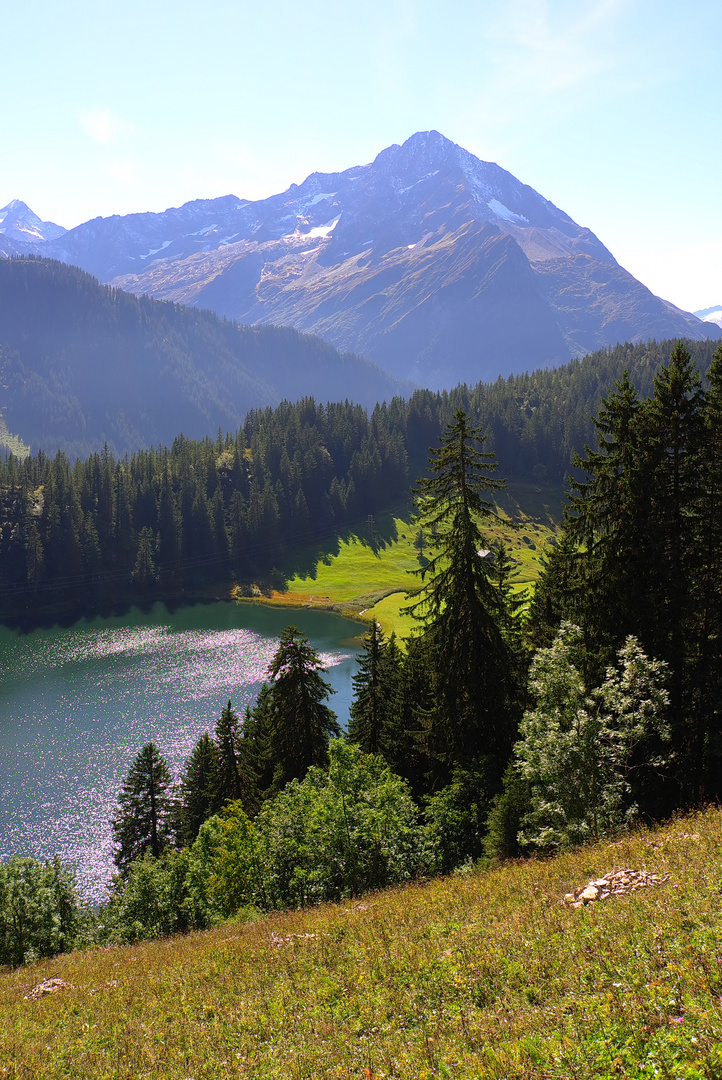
(486, 974)
(369, 574)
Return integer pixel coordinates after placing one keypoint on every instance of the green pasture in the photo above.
(369, 575)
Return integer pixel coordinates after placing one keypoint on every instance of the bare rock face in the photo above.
(615, 883)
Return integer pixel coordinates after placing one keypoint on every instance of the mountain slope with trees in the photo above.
(240, 507)
(82, 365)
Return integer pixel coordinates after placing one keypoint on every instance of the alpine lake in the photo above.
(77, 704)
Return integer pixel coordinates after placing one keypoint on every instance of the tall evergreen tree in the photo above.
(675, 430)
(607, 518)
(237, 776)
(457, 606)
(707, 595)
(147, 810)
(377, 691)
(199, 787)
(228, 742)
(301, 722)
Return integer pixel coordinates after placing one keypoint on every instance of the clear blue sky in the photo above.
(610, 108)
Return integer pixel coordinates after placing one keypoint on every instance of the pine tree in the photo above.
(228, 741)
(144, 574)
(376, 687)
(457, 606)
(239, 764)
(199, 787)
(512, 601)
(707, 595)
(674, 433)
(147, 810)
(608, 516)
(300, 721)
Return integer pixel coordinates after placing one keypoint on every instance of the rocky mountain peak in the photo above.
(413, 260)
(424, 151)
(18, 222)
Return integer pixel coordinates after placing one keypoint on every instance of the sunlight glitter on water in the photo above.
(77, 705)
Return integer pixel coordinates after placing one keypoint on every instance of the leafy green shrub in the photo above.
(577, 747)
(455, 821)
(153, 901)
(337, 833)
(507, 813)
(40, 914)
(222, 877)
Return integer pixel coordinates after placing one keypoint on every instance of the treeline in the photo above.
(165, 522)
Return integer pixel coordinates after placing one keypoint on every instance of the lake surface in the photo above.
(77, 704)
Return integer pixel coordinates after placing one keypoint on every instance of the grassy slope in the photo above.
(371, 580)
(486, 975)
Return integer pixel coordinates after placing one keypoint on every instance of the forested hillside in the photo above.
(166, 522)
(82, 365)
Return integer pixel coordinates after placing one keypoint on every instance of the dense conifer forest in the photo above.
(88, 534)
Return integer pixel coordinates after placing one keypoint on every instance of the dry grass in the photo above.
(481, 976)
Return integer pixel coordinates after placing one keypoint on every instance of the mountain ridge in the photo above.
(436, 265)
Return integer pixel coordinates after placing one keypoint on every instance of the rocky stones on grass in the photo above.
(48, 986)
(615, 883)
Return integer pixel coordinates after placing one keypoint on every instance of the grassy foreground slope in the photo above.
(485, 975)
(370, 574)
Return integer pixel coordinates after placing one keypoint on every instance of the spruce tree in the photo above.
(608, 518)
(376, 687)
(147, 810)
(199, 787)
(674, 434)
(300, 721)
(228, 742)
(457, 607)
(707, 595)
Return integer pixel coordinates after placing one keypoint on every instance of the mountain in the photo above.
(711, 315)
(18, 223)
(436, 265)
(82, 364)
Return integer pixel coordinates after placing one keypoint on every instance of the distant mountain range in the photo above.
(82, 364)
(436, 265)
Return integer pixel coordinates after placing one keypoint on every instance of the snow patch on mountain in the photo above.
(322, 195)
(318, 232)
(504, 212)
(154, 251)
(428, 176)
(205, 231)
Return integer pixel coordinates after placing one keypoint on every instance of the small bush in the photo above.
(154, 900)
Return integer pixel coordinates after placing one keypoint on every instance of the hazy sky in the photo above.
(610, 108)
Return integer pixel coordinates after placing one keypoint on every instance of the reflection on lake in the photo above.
(77, 704)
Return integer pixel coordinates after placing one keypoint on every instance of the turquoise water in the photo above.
(77, 704)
